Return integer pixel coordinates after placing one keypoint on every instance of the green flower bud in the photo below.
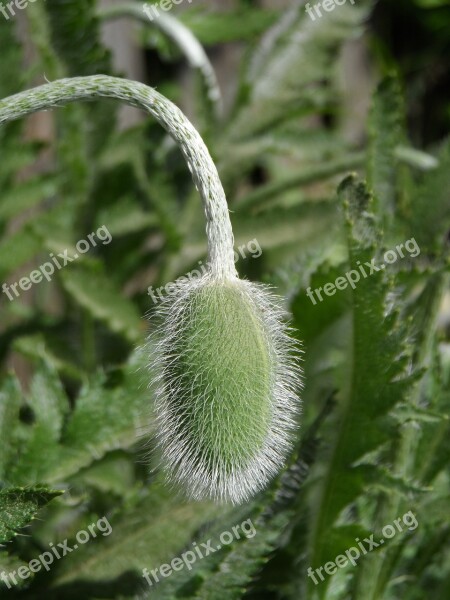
(226, 388)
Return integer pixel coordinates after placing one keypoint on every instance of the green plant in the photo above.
(76, 413)
(225, 434)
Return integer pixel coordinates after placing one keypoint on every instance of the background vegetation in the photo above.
(374, 437)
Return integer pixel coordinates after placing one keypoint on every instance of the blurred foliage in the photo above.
(75, 428)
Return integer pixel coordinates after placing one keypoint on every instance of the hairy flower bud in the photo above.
(226, 401)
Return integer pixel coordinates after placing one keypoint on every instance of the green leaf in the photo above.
(125, 217)
(287, 228)
(38, 449)
(114, 474)
(26, 195)
(386, 132)
(289, 81)
(416, 158)
(381, 478)
(96, 293)
(219, 27)
(10, 564)
(18, 249)
(150, 532)
(106, 418)
(10, 403)
(306, 177)
(36, 348)
(75, 34)
(19, 506)
(377, 376)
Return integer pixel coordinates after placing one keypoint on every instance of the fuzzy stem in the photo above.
(200, 163)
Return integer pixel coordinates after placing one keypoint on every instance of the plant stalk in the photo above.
(200, 163)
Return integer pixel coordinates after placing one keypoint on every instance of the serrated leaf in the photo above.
(377, 378)
(105, 419)
(381, 478)
(19, 506)
(38, 449)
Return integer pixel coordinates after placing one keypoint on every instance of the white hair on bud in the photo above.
(179, 458)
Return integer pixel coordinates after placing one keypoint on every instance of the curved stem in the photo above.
(200, 163)
(181, 36)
